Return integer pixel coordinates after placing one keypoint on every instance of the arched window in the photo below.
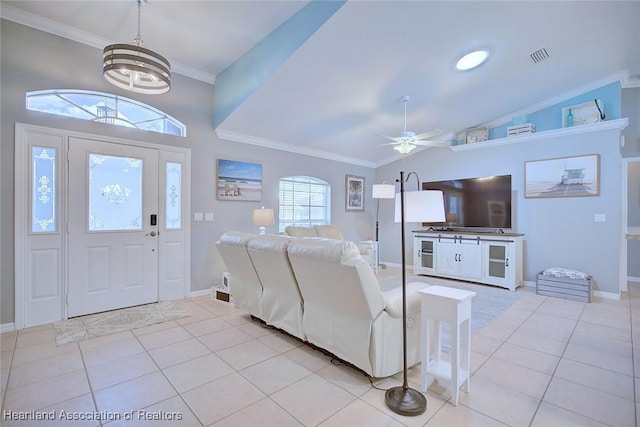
(304, 201)
(104, 108)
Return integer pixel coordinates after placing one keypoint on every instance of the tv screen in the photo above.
(483, 202)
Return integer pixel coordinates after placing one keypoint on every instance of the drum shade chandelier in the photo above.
(134, 67)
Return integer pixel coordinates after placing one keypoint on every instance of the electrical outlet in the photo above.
(600, 218)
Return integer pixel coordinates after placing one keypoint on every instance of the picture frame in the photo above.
(583, 114)
(239, 181)
(354, 193)
(479, 134)
(576, 176)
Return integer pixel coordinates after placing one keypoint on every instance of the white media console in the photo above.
(491, 258)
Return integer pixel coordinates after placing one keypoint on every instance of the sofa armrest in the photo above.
(393, 299)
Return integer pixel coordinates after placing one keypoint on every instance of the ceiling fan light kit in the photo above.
(404, 148)
(408, 141)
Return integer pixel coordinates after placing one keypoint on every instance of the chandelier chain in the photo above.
(139, 38)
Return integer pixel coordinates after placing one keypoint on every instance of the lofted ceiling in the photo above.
(341, 89)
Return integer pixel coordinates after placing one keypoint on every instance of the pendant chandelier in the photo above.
(134, 67)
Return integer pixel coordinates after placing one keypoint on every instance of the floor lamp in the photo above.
(381, 191)
(412, 206)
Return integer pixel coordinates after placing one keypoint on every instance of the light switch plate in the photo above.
(208, 216)
(197, 216)
(600, 218)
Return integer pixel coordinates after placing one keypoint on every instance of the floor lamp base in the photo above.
(405, 401)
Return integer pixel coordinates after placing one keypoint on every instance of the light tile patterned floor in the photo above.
(543, 362)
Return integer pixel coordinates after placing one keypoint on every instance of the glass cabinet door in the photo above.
(498, 261)
(426, 253)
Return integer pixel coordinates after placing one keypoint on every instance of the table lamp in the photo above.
(262, 218)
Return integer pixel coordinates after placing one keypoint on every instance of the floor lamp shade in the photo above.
(383, 191)
(421, 206)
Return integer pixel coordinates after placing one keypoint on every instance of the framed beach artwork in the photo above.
(575, 176)
(354, 193)
(239, 181)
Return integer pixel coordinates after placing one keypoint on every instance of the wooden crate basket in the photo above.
(564, 287)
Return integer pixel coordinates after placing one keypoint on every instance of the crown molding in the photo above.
(276, 145)
(630, 82)
(71, 33)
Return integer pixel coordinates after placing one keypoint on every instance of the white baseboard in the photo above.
(201, 293)
(392, 264)
(607, 295)
(7, 327)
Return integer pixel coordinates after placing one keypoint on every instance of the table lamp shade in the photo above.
(263, 217)
(421, 206)
(383, 191)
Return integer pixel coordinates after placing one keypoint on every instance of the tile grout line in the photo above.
(86, 373)
(493, 354)
(6, 387)
(165, 375)
(553, 374)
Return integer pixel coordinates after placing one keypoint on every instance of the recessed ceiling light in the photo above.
(472, 60)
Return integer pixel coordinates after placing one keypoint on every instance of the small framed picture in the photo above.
(476, 135)
(354, 193)
(240, 181)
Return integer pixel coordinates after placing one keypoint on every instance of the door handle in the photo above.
(152, 234)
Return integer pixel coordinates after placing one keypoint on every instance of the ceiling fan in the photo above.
(408, 140)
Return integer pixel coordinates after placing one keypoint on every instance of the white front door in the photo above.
(113, 226)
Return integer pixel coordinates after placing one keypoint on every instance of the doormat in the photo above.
(111, 322)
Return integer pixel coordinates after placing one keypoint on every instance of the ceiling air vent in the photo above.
(539, 55)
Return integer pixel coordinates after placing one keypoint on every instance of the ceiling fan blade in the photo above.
(432, 143)
(391, 143)
(428, 134)
(388, 137)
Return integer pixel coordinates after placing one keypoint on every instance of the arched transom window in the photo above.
(104, 108)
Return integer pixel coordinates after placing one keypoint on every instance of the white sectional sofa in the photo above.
(323, 292)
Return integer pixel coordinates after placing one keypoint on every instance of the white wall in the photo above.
(34, 60)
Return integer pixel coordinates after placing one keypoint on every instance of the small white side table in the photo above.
(372, 251)
(453, 306)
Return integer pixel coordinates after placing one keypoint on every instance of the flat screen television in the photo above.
(483, 202)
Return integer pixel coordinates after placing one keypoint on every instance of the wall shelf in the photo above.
(618, 124)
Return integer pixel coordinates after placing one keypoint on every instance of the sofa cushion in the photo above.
(301, 231)
(282, 304)
(270, 242)
(321, 249)
(245, 286)
(236, 238)
(329, 232)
